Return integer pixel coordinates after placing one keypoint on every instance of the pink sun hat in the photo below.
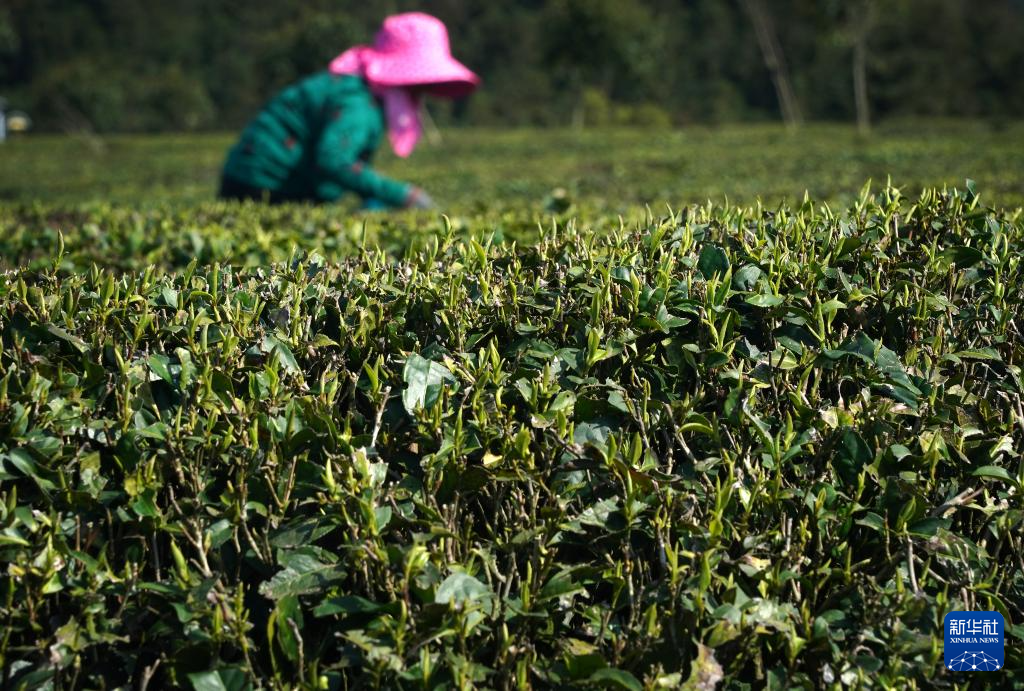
(411, 49)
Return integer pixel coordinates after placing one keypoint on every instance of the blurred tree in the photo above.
(109, 65)
(861, 21)
(594, 43)
(9, 41)
(852, 23)
(774, 60)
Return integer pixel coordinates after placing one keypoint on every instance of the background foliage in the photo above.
(128, 65)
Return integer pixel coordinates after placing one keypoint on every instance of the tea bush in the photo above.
(732, 446)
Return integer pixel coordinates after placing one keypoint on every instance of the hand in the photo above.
(418, 199)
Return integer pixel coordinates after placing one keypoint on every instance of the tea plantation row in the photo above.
(724, 446)
(480, 168)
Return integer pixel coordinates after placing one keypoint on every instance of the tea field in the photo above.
(477, 170)
(586, 430)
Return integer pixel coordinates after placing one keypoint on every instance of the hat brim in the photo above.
(445, 76)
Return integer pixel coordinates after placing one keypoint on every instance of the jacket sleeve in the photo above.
(338, 159)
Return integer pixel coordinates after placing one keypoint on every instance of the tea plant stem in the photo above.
(147, 674)
(910, 567)
(380, 414)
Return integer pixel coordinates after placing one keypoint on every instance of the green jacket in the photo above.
(314, 141)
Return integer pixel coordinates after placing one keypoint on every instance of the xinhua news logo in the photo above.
(974, 641)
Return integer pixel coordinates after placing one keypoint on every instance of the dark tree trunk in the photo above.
(774, 60)
(862, 24)
(860, 86)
